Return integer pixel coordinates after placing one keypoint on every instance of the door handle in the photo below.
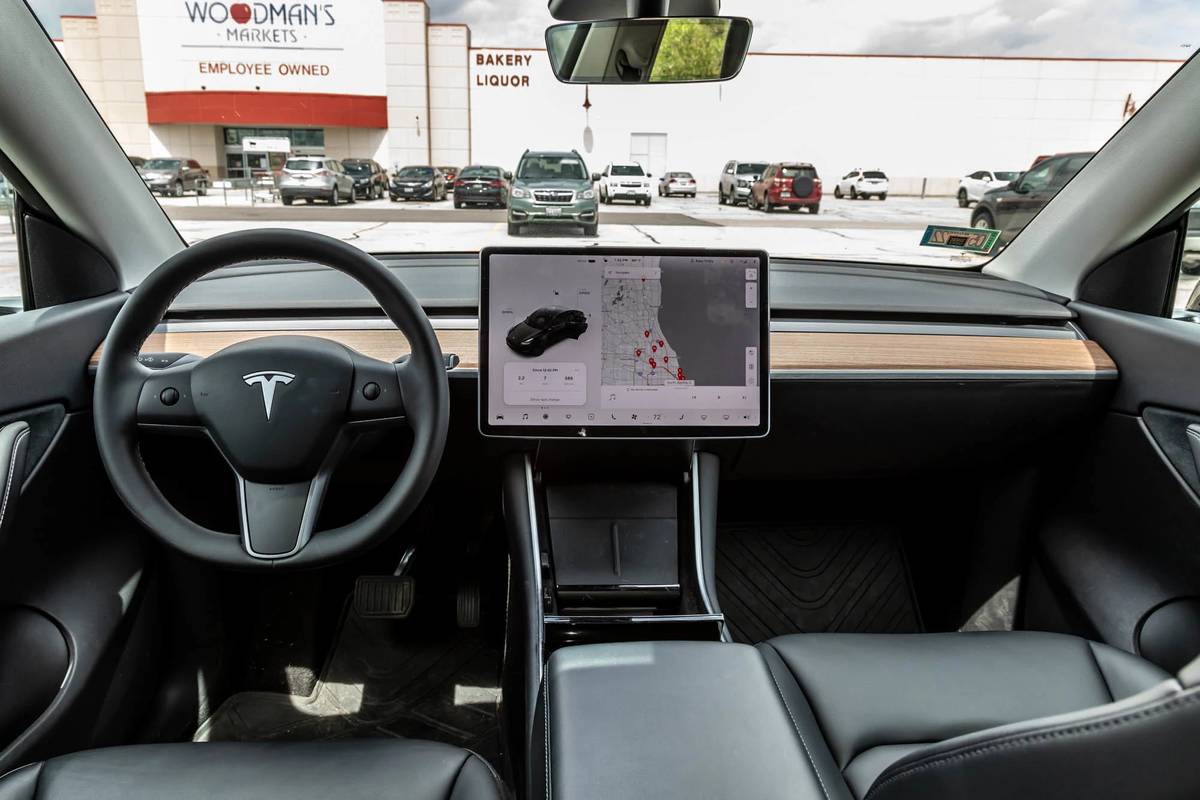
(14, 443)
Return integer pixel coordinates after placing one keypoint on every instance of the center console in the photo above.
(613, 365)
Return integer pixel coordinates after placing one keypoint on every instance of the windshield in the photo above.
(552, 168)
(880, 108)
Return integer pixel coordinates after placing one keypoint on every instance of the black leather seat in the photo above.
(985, 716)
(988, 715)
(345, 770)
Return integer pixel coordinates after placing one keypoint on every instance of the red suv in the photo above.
(790, 184)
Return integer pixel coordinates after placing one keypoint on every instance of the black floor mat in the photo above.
(776, 579)
(383, 678)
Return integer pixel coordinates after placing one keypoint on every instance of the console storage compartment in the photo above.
(667, 720)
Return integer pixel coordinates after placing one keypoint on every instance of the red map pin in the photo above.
(653, 365)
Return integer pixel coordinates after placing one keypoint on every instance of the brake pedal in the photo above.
(384, 596)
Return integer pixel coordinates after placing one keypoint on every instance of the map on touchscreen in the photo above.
(584, 341)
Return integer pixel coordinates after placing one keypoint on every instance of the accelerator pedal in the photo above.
(469, 604)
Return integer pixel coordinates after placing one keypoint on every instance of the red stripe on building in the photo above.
(272, 109)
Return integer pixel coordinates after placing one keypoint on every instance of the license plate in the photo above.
(554, 212)
(407, 190)
(785, 194)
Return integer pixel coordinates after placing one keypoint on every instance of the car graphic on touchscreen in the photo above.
(545, 328)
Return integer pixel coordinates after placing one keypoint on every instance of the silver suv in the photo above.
(315, 178)
(174, 176)
(736, 180)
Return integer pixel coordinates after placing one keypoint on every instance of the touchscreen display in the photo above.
(595, 342)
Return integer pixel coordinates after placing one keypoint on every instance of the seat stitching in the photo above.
(1018, 741)
(811, 761)
(12, 467)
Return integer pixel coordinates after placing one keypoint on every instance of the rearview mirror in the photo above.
(595, 177)
(507, 175)
(666, 50)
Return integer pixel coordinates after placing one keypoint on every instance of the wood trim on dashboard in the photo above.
(791, 351)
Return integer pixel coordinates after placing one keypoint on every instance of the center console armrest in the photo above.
(670, 720)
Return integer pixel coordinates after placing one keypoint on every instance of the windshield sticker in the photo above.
(977, 240)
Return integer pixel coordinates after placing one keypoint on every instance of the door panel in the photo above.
(1118, 550)
(73, 564)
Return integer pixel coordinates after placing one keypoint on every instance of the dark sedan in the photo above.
(545, 328)
(418, 183)
(482, 186)
(1010, 209)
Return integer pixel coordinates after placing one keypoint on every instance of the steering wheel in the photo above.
(281, 410)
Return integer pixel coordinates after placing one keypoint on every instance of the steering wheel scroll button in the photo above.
(169, 396)
(371, 391)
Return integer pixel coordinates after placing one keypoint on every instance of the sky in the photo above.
(1061, 28)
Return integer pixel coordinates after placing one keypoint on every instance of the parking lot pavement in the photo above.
(896, 212)
(845, 229)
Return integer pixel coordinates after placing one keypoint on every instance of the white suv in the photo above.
(862, 184)
(624, 182)
(972, 187)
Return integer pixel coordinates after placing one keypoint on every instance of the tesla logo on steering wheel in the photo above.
(267, 381)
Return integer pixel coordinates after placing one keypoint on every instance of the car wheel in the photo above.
(591, 231)
(815, 209)
(514, 229)
(458, 204)
(883, 197)
(720, 196)
(308, 201)
(334, 197)
(837, 192)
(963, 200)
(767, 206)
(202, 188)
(853, 192)
(287, 200)
(393, 198)
(353, 197)
(177, 189)
(982, 218)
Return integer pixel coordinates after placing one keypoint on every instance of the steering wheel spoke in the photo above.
(276, 520)
(377, 396)
(166, 398)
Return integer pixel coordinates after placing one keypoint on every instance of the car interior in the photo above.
(281, 518)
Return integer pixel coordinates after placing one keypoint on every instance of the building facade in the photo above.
(376, 79)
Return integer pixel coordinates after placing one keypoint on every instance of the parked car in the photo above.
(736, 179)
(370, 179)
(788, 184)
(673, 183)
(450, 174)
(479, 185)
(418, 183)
(545, 328)
(138, 162)
(174, 176)
(1010, 209)
(624, 182)
(972, 187)
(553, 188)
(862, 184)
(310, 178)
